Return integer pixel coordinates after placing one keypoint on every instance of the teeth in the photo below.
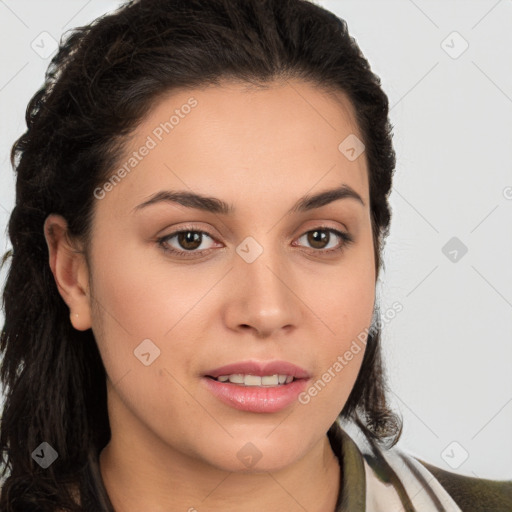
(272, 380)
(252, 380)
(255, 380)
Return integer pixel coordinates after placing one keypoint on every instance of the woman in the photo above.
(190, 309)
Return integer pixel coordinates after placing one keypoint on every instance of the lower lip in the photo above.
(256, 398)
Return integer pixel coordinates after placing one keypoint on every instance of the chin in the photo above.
(254, 454)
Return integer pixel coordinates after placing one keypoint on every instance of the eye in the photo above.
(321, 237)
(188, 241)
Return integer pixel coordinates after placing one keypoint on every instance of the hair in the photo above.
(98, 87)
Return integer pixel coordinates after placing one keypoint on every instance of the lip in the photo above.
(254, 398)
(260, 369)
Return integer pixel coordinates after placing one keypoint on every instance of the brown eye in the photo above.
(189, 240)
(318, 239)
(322, 239)
(186, 242)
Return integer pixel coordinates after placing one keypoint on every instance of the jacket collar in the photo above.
(352, 494)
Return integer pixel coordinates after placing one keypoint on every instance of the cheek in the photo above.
(344, 308)
(132, 308)
(343, 295)
(339, 357)
(134, 318)
(139, 295)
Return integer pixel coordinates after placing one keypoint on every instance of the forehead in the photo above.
(240, 140)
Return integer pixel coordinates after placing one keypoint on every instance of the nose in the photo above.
(263, 295)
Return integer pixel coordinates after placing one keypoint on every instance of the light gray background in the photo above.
(449, 351)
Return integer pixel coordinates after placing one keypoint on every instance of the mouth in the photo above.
(257, 387)
(255, 380)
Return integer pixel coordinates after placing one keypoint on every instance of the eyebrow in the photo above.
(215, 205)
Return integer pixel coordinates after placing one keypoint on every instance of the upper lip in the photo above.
(260, 368)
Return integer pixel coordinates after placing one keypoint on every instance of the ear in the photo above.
(70, 271)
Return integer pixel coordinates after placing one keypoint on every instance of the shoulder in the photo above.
(395, 478)
(474, 494)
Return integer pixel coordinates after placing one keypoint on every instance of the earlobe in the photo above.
(69, 269)
(80, 323)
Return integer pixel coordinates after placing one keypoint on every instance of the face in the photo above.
(179, 291)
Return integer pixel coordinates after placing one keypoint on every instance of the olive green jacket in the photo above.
(389, 480)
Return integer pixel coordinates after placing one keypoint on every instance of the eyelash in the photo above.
(345, 237)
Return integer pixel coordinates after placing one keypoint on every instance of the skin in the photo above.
(174, 445)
